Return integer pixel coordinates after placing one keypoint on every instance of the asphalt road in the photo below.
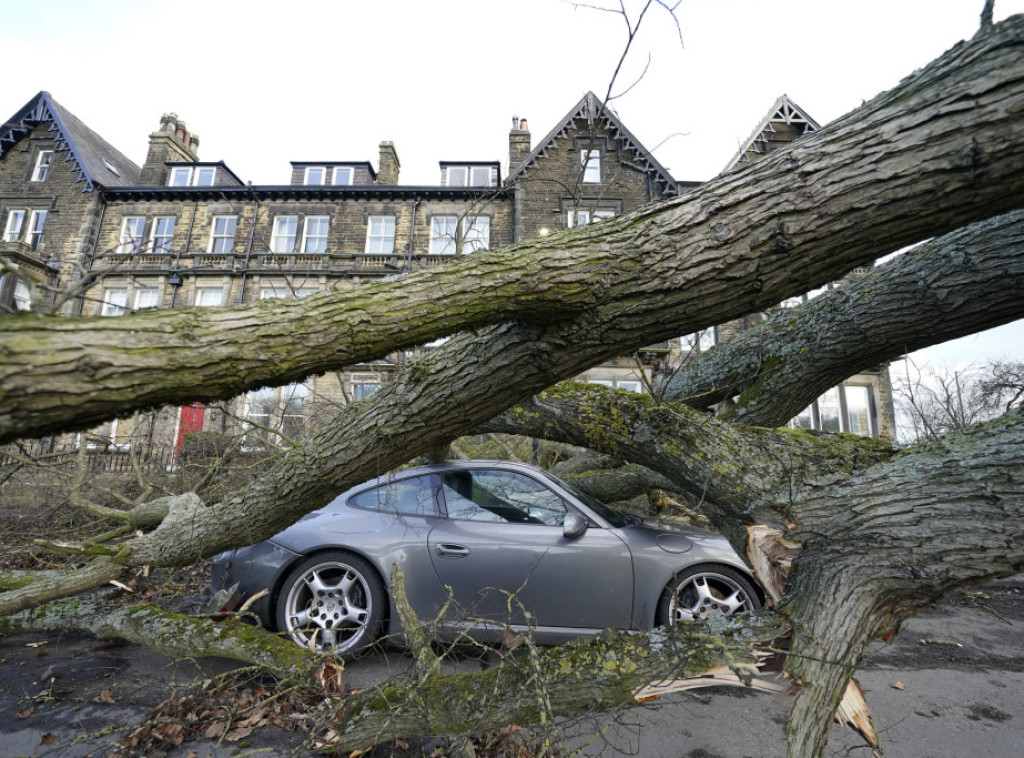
(960, 667)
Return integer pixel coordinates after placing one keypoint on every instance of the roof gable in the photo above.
(591, 109)
(786, 121)
(95, 160)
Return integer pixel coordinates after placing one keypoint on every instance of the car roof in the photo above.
(444, 467)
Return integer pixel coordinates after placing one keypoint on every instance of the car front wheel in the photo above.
(331, 603)
(704, 591)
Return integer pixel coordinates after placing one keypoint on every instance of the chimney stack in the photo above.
(518, 143)
(171, 142)
(389, 165)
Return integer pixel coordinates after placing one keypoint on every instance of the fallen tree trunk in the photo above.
(896, 170)
(959, 284)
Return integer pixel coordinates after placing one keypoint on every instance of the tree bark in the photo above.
(943, 149)
(958, 284)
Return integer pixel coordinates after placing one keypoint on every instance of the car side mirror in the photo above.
(573, 526)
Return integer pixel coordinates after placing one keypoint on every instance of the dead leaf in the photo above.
(48, 739)
(898, 686)
(35, 644)
(356, 753)
(27, 712)
(215, 730)
(687, 733)
(238, 734)
(105, 697)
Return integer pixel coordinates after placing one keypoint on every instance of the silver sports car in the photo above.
(509, 544)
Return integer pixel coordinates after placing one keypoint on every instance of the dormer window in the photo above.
(591, 165)
(42, 169)
(343, 175)
(315, 175)
(192, 176)
(469, 176)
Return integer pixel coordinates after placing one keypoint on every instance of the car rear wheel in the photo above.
(704, 591)
(331, 603)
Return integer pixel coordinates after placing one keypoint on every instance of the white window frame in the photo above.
(590, 164)
(476, 233)
(578, 218)
(443, 235)
(308, 175)
(380, 235)
(15, 224)
(161, 238)
(35, 229)
(133, 234)
(42, 167)
(314, 234)
(147, 297)
(340, 172)
(115, 301)
(195, 176)
(362, 390)
(219, 234)
(461, 171)
(285, 234)
(630, 385)
(273, 409)
(206, 294)
(478, 172)
(22, 296)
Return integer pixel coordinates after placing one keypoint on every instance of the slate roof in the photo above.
(590, 108)
(97, 162)
(784, 122)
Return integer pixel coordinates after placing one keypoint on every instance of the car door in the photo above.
(503, 554)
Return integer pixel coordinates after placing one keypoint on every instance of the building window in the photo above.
(343, 175)
(42, 169)
(15, 222)
(315, 175)
(630, 386)
(132, 234)
(858, 410)
(469, 176)
(448, 235)
(283, 238)
(590, 161)
(362, 390)
(269, 291)
(314, 234)
(276, 411)
(222, 235)
(147, 297)
(22, 296)
(192, 176)
(476, 233)
(443, 232)
(35, 229)
(579, 218)
(209, 296)
(163, 233)
(380, 235)
(115, 301)
(582, 218)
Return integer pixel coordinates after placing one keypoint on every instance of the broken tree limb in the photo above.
(960, 283)
(174, 634)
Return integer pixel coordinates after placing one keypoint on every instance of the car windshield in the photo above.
(618, 519)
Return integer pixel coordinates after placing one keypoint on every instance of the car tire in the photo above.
(706, 590)
(332, 602)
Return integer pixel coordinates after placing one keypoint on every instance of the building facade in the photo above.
(88, 232)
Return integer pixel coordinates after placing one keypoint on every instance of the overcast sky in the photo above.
(265, 83)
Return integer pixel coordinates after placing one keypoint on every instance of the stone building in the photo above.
(88, 232)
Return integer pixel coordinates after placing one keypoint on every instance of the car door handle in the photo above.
(448, 550)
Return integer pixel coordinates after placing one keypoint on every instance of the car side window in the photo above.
(489, 495)
(416, 497)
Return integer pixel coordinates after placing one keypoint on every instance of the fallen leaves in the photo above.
(898, 686)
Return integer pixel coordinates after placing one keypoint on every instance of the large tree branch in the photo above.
(943, 149)
(958, 284)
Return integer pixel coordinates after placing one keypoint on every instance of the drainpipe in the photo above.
(248, 244)
(95, 244)
(175, 278)
(412, 227)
